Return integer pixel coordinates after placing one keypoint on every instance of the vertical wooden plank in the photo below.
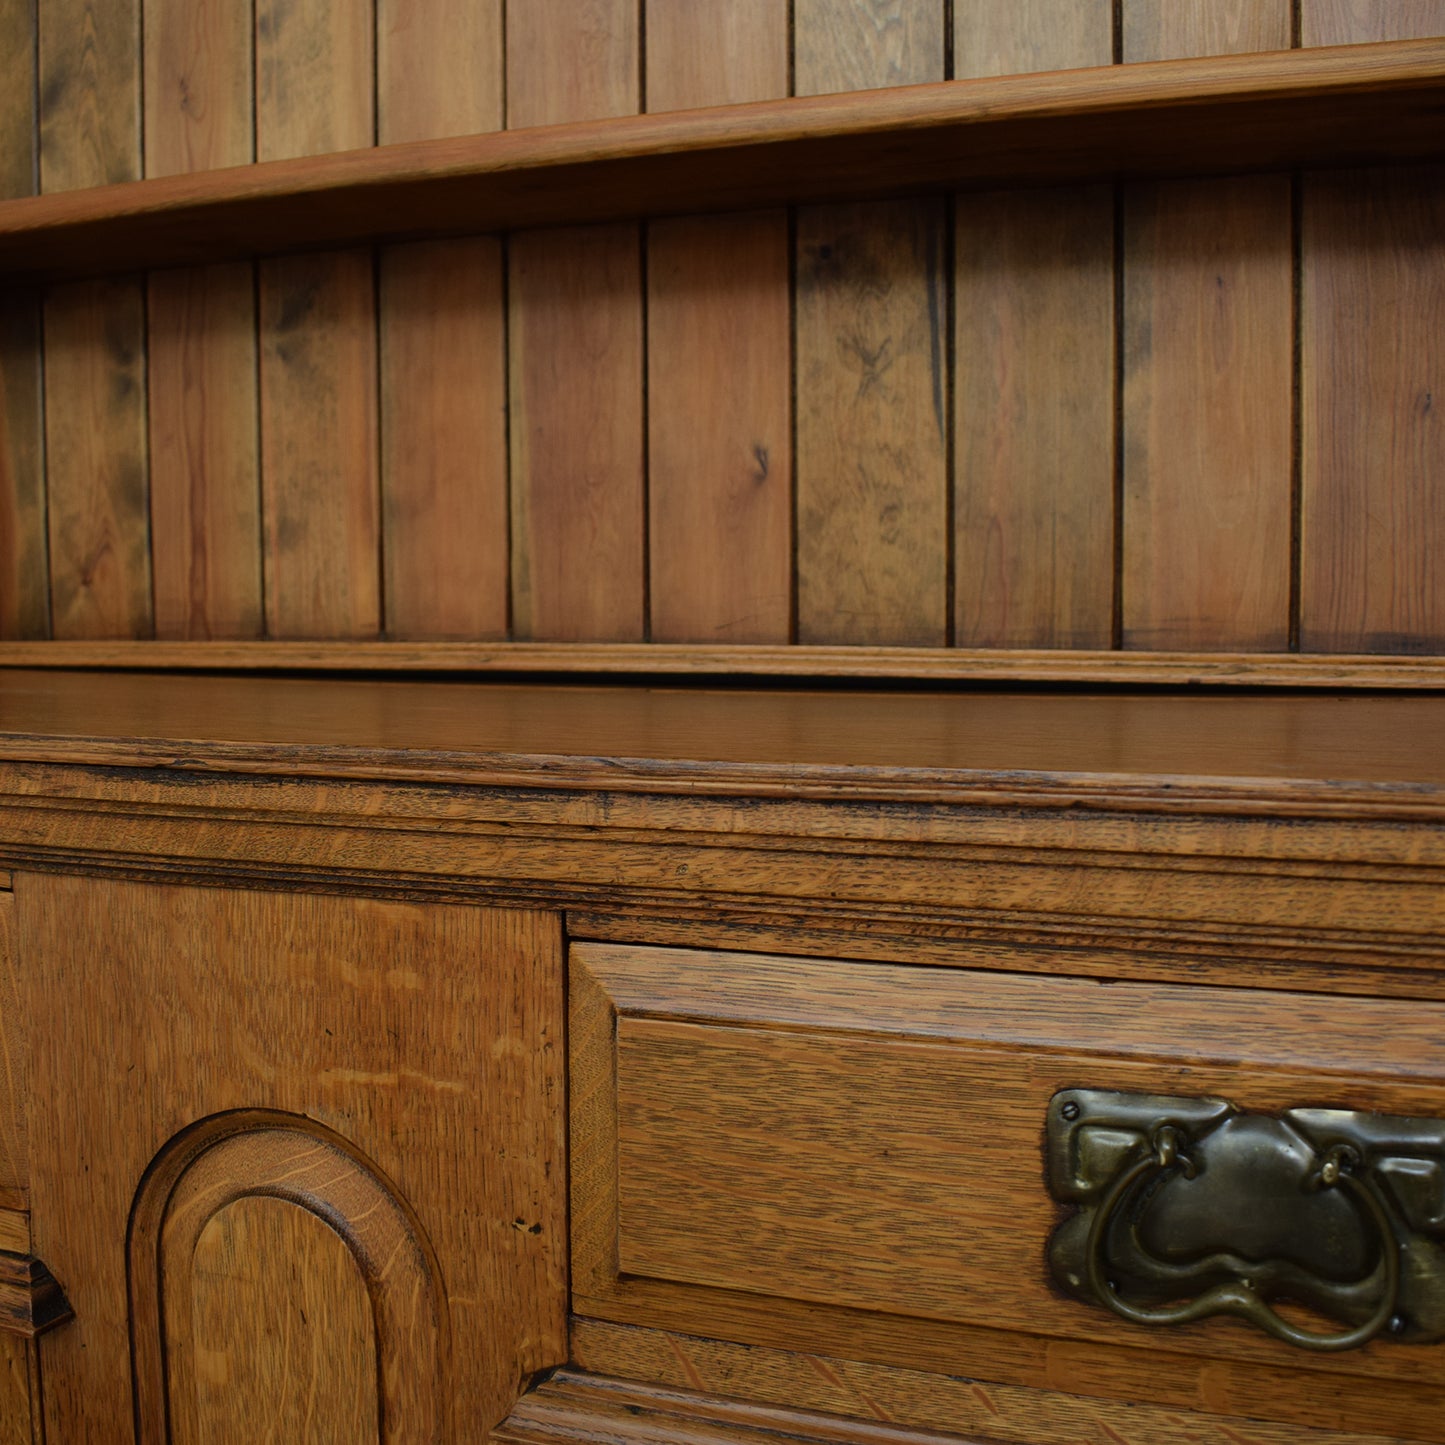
(1372, 505)
(319, 464)
(443, 361)
(576, 350)
(1033, 483)
(1208, 392)
(871, 368)
(1028, 35)
(24, 563)
(1170, 29)
(205, 468)
(719, 383)
(95, 409)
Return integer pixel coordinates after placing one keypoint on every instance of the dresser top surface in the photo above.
(602, 736)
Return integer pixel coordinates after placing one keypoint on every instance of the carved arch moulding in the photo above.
(287, 1160)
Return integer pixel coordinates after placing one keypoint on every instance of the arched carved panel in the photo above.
(268, 1350)
(185, 1218)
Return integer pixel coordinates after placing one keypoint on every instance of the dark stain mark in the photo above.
(760, 456)
(296, 306)
(1427, 403)
(52, 93)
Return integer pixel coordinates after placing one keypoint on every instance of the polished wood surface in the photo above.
(15, 1418)
(1034, 546)
(24, 570)
(937, 665)
(418, 1046)
(1275, 110)
(872, 361)
(580, 1409)
(205, 471)
(992, 518)
(14, 1085)
(1321, 746)
(576, 349)
(747, 1128)
(310, 1372)
(720, 484)
(1208, 384)
(1370, 557)
(94, 334)
(916, 1400)
(442, 314)
(318, 350)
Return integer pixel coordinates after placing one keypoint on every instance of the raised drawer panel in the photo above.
(760, 1140)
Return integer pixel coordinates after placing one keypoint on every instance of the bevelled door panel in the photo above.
(273, 1352)
(297, 1161)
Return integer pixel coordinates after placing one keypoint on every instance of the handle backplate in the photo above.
(1189, 1207)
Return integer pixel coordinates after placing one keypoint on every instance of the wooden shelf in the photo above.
(1101, 749)
(1335, 106)
(931, 665)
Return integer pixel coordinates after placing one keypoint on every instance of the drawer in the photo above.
(855, 1158)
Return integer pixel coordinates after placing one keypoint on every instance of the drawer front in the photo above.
(862, 1149)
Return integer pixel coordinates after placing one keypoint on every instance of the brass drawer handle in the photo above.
(1188, 1208)
(1239, 1297)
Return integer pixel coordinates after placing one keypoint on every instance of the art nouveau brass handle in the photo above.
(1239, 1297)
(1187, 1208)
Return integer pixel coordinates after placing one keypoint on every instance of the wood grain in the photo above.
(438, 68)
(1034, 472)
(14, 1223)
(1372, 527)
(1226, 114)
(24, 548)
(318, 343)
(800, 1068)
(95, 389)
(443, 361)
(1336, 750)
(908, 1399)
(872, 342)
(15, 1422)
(1033, 512)
(96, 460)
(379, 1287)
(719, 357)
(573, 1408)
(201, 337)
(575, 355)
(310, 1372)
(1353, 22)
(444, 440)
(24, 560)
(427, 1036)
(1208, 345)
(14, 1065)
(1338, 671)
(1030, 35)
(576, 350)
(89, 57)
(1161, 29)
(205, 494)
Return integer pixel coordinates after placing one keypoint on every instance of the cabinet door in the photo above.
(296, 1160)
